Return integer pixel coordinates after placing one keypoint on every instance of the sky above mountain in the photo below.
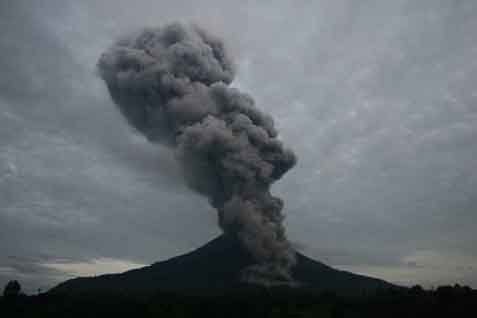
(377, 99)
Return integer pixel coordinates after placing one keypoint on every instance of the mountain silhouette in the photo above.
(213, 269)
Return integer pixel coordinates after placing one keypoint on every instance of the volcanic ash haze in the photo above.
(171, 84)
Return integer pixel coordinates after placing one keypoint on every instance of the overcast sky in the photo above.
(377, 98)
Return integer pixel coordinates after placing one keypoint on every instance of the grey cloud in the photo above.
(170, 83)
(383, 89)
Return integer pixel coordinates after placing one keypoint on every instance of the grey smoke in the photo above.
(172, 85)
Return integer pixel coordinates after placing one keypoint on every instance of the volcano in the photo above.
(215, 269)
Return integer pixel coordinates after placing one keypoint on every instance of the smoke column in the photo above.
(171, 84)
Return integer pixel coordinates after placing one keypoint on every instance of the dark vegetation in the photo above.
(12, 289)
(446, 301)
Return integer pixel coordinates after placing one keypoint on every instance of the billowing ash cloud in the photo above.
(171, 84)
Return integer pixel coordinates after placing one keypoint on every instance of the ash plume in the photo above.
(172, 85)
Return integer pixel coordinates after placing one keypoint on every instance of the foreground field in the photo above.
(445, 301)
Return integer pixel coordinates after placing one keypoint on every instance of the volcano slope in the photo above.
(215, 269)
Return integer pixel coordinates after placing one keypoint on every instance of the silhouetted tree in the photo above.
(417, 290)
(12, 289)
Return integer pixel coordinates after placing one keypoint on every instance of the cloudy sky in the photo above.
(377, 98)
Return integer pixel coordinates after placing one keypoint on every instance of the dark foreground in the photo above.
(445, 301)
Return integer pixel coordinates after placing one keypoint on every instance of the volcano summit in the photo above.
(215, 268)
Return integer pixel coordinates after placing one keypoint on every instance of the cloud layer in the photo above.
(377, 98)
